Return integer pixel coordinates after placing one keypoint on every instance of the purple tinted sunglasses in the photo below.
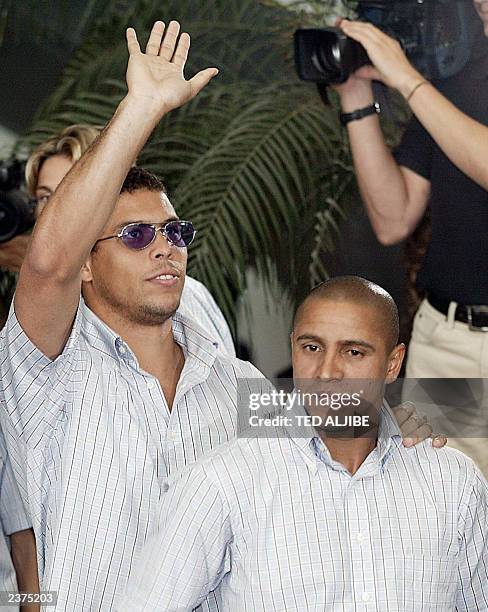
(138, 236)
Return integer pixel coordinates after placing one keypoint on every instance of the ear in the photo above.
(291, 344)
(395, 360)
(86, 271)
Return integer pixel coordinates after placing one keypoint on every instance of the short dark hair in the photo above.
(139, 178)
(361, 291)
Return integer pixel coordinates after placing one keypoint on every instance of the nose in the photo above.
(330, 367)
(161, 247)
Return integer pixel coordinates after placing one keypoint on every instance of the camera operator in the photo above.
(443, 144)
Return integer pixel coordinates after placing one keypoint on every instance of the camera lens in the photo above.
(326, 55)
(9, 219)
(17, 214)
(327, 59)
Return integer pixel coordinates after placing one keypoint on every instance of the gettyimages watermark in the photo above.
(288, 409)
(349, 408)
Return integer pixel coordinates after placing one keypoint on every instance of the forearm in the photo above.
(381, 183)
(82, 204)
(23, 550)
(463, 140)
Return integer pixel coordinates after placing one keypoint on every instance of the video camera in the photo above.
(17, 209)
(434, 34)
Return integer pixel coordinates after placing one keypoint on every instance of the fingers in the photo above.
(416, 427)
(167, 49)
(369, 36)
(419, 435)
(362, 32)
(181, 52)
(368, 72)
(163, 46)
(201, 79)
(438, 441)
(154, 42)
(403, 412)
(132, 43)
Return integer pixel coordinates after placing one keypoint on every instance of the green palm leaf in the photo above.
(256, 161)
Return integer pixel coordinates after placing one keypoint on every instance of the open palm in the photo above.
(157, 74)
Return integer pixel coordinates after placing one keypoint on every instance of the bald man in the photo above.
(340, 515)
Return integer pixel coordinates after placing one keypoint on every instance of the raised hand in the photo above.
(156, 76)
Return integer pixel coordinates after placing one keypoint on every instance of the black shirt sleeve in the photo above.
(415, 150)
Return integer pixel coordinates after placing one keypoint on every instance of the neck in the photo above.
(350, 452)
(153, 345)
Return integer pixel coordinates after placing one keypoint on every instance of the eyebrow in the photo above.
(345, 343)
(119, 226)
(309, 337)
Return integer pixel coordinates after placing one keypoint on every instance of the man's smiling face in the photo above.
(140, 286)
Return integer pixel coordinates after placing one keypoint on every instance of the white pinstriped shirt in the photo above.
(197, 303)
(277, 525)
(92, 443)
(12, 519)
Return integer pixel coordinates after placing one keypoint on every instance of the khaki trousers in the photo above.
(442, 347)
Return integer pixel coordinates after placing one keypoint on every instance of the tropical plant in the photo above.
(256, 160)
(319, 12)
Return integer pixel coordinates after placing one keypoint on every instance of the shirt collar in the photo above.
(389, 434)
(189, 335)
(313, 449)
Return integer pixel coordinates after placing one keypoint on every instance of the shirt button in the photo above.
(175, 435)
(151, 384)
(122, 349)
(366, 597)
(165, 487)
(360, 538)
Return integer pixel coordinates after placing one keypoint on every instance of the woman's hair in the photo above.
(72, 142)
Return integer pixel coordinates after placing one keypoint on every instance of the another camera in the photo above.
(17, 209)
(434, 34)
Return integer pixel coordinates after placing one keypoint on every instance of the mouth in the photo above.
(165, 280)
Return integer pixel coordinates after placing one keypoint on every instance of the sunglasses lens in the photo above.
(138, 236)
(180, 233)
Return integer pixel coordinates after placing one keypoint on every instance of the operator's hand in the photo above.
(390, 64)
(12, 253)
(357, 91)
(156, 76)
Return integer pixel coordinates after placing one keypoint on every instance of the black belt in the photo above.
(475, 316)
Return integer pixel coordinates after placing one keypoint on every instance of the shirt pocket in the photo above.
(425, 583)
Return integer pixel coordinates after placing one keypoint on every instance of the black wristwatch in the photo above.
(345, 118)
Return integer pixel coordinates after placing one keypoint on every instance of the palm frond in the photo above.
(244, 192)
(256, 161)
